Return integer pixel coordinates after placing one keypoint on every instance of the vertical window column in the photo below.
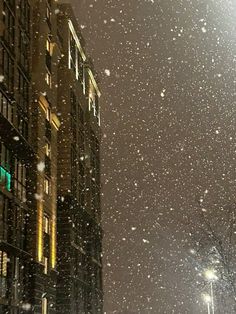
(3, 274)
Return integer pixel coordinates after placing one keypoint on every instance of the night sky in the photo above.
(167, 72)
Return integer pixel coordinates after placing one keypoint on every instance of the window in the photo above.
(5, 175)
(46, 186)
(6, 108)
(48, 149)
(22, 123)
(48, 78)
(48, 61)
(3, 273)
(93, 103)
(48, 114)
(73, 170)
(45, 265)
(48, 14)
(44, 305)
(49, 46)
(80, 116)
(4, 205)
(23, 92)
(73, 103)
(20, 180)
(75, 58)
(46, 224)
(81, 184)
(5, 178)
(72, 54)
(8, 70)
(25, 14)
(16, 273)
(24, 44)
(9, 23)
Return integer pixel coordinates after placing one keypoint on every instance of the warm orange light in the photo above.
(40, 232)
(53, 242)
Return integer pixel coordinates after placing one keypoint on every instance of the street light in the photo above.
(210, 275)
(207, 300)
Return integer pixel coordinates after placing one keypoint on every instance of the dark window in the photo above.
(73, 102)
(48, 61)
(73, 170)
(20, 180)
(24, 50)
(22, 124)
(8, 70)
(48, 131)
(19, 227)
(80, 69)
(47, 166)
(23, 92)
(80, 116)
(25, 14)
(81, 184)
(6, 108)
(95, 173)
(4, 205)
(9, 25)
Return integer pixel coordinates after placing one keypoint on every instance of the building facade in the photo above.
(50, 218)
(79, 213)
(16, 157)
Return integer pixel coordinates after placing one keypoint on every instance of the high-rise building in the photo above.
(44, 125)
(16, 157)
(50, 218)
(79, 214)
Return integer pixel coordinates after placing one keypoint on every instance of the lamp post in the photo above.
(211, 277)
(207, 299)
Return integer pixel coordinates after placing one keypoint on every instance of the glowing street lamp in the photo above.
(210, 275)
(207, 300)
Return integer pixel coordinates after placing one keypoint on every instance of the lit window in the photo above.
(48, 114)
(49, 46)
(45, 266)
(3, 264)
(48, 79)
(5, 178)
(3, 273)
(48, 149)
(46, 186)
(46, 224)
(48, 14)
(44, 306)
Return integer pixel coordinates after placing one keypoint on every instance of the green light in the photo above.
(5, 176)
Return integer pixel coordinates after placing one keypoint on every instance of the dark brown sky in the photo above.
(169, 120)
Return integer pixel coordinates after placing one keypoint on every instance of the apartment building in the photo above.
(79, 212)
(50, 217)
